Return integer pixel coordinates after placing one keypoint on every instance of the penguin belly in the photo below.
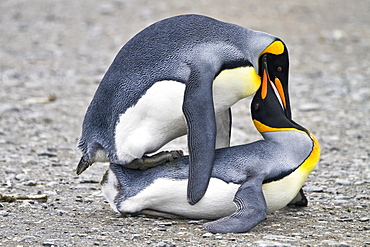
(157, 117)
(169, 196)
(155, 120)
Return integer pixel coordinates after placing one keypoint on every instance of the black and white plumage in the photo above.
(247, 181)
(178, 76)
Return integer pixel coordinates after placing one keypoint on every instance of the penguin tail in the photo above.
(85, 160)
(84, 163)
(90, 153)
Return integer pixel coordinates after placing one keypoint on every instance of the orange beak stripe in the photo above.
(264, 85)
(280, 89)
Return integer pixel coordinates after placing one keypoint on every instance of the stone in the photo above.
(30, 183)
(207, 235)
(309, 107)
(22, 177)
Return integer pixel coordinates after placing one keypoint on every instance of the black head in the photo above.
(274, 61)
(268, 105)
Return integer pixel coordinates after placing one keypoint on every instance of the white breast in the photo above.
(169, 196)
(157, 117)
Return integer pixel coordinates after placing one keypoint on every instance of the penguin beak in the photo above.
(277, 86)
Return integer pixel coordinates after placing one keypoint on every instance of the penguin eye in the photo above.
(256, 106)
(279, 69)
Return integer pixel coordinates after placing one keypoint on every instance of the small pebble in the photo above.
(88, 200)
(106, 9)
(280, 238)
(48, 244)
(314, 189)
(135, 237)
(344, 219)
(218, 237)
(194, 222)
(343, 182)
(164, 223)
(268, 244)
(364, 219)
(89, 181)
(207, 235)
(161, 244)
(309, 107)
(30, 183)
(47, 154)
(22, 177)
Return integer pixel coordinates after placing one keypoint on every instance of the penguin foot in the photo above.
(147, 162)
(300, 200)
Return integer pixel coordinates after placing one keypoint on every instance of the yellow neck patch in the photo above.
(262, 128)
(310, 163)
(243, 81)
(276, 48)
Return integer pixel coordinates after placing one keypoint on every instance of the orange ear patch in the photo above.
(276, 48)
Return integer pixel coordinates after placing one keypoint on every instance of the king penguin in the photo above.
(247, 181)
(178, 76)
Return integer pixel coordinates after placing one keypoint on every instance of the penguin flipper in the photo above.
(300, 200)
(251, 210)
(200, 117)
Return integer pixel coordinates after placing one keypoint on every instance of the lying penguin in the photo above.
(178, 76)
(247, 181)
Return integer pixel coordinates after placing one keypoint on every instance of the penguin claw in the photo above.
(175, 154)
(147, 162)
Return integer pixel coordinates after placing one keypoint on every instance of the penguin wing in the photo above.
(251, 210)
(200, 117)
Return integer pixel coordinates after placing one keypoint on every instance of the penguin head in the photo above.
(274, 62)
(269, 107)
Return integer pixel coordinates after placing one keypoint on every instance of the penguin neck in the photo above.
(262, 128)
(271, 133)
(266, 130)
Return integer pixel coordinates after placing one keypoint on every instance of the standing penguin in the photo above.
(180, 75)
(247, 181)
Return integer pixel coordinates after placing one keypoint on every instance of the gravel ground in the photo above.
(52, 57)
